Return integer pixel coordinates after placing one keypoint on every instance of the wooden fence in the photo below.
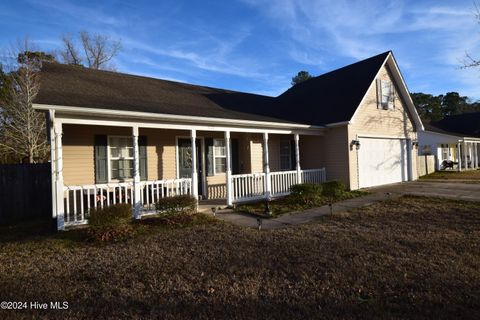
(25, 192)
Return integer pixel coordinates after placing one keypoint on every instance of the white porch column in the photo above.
(228, 168)
(465, 152)
(476, 155)
(137, 201)
(59, 178)
(266, 166)
(297, 157)
(193, 136)
(459, 157)
(53, 172)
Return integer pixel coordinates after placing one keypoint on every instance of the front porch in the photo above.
(96, 166)
(464, 154)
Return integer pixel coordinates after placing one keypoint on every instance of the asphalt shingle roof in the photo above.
(462, 125)
(328, 98)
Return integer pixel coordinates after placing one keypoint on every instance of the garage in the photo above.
(382, 161)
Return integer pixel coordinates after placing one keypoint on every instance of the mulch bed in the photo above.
(407, 258)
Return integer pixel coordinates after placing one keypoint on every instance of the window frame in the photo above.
(110, 158)
(390, 103)
(215, 156)
(289, 143)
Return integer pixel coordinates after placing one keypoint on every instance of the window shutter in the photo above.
(142, 152)
(235, 162)
(293, 161)
(101, 174)
(379, 93)
(209, 148)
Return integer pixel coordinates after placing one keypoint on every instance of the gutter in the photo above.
(168, 117)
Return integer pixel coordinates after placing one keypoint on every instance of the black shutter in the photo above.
(101, 174)
(235, 156)
(209, 148)
(293, 158)
(142, 152)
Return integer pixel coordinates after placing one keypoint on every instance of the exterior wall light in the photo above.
(415, 144)
(355, 143)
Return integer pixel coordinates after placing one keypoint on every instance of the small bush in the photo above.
(110, 223)
(305, 194)
(333, 189)
(306, 188)
(177, 204)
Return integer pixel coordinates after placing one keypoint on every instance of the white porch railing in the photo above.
(250, 187)
(78, 200)
(313, 176)
(282, 181)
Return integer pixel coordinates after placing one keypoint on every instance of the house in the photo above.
(124, 138)
(455, 138)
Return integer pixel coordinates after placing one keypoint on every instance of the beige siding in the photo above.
(256, 153)
(161, 152)
(78, 152)
(311, 152)
(369, 120)
(329, 151)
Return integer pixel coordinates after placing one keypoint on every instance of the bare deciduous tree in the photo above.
(98, 50)
(70, 53)
(469, 61)
(23, 130)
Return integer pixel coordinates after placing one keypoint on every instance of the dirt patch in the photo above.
(407, 258)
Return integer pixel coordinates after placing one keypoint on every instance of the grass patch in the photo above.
(289, 204)
(471, 175)
(410, 258)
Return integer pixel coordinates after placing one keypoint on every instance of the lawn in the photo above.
(470, 175)
(408, 258)
(284, 205)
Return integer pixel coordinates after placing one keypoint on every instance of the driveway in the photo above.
(451, 190)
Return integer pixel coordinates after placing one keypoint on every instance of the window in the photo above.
(285, 155)
(386, 94)
(219, 155)
(120, 157)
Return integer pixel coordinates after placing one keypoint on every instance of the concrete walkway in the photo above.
(450, 190)
(247, 220)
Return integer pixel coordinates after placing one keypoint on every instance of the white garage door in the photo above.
(382, 161)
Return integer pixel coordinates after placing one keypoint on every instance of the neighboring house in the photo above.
(124, 138)
(455, 138)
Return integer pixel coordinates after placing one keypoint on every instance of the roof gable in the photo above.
(332, 97)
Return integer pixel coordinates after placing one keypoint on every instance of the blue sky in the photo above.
(258, 45)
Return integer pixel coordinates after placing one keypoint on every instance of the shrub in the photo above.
(333, 189)
(177, 204)
(305, 194)
(110, 223)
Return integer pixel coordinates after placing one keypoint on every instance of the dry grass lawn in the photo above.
(471, 175)
(407, 258)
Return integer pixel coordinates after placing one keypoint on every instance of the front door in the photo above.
(185, 161)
